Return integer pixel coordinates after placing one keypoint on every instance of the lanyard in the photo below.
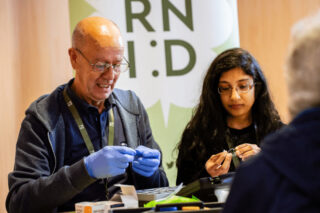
(81, 126)
(235, 158)
(111, 128)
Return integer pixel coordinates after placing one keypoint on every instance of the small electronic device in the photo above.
(203, 188)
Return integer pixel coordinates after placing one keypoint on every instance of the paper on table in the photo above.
(129, 196)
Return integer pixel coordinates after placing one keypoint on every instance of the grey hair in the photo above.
(303, 65)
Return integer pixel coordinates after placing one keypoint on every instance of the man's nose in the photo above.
(108, 73)
(234, 94)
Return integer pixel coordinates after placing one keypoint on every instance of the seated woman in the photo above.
(235, 113)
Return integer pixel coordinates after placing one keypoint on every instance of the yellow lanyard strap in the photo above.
(111, 128)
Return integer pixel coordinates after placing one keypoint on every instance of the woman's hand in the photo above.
(246, 150)
(218, 164)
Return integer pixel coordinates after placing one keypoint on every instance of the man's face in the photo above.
(96, 87)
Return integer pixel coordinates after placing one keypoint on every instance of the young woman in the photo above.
(235, 113)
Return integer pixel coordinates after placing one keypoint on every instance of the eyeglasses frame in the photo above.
(238, 91)
(110, 65)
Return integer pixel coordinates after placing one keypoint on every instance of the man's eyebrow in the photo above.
(107, 61)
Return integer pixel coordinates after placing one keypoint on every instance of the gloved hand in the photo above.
(146, 161)
(109, 161)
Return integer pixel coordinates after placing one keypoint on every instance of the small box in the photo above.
(96, 207)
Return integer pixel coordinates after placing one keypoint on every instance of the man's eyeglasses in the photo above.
(102, 66)
(241, 88)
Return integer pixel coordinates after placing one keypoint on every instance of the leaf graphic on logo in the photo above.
(170, 164)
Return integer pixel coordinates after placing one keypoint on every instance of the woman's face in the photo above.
(236, 90)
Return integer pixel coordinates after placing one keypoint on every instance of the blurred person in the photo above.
(284, 176)
(77, 142)
(235, 113)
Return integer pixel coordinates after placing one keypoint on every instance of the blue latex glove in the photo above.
(109, 161)
(146, 161)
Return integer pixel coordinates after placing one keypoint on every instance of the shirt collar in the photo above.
(83, 104)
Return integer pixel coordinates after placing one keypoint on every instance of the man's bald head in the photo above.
(99, 30)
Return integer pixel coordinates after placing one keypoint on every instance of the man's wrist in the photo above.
(88, 168)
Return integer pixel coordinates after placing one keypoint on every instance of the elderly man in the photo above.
(285, 176)
(86, 136)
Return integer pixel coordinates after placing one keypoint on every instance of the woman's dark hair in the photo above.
(208, 123)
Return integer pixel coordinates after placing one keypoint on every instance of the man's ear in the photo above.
(73, 58)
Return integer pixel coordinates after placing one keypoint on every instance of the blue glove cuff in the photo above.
(88, 168)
